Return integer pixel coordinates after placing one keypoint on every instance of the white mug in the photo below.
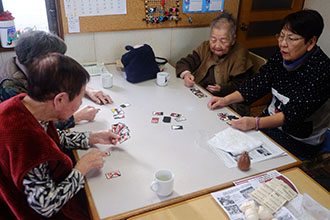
(163, 183)
(107, 80)
(162, 78)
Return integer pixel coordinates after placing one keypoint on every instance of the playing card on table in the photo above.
(113, 174)
(118, 113)
(180, 118)
(154, 120)
(125, 105)
(175, 115)
(157, 113)
(226, 117)
(198, 93)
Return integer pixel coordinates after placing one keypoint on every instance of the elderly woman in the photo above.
(298, 76)
(221, 64)
(37, 180)
(13, 76)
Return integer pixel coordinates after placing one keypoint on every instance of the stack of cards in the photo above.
(198, 93)
(225, 117)
(122, 130)
(118, 113)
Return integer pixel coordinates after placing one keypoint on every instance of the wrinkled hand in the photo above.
(87, 113)
(91, 160)
(103, 137)
(213, 88)
(98, 96)
(244, 124)
(189, 80)
(216, 102)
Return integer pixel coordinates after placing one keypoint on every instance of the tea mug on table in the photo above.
(163, 182)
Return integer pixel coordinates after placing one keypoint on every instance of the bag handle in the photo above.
(163, 62)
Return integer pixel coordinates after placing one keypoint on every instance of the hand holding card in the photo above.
(104, 137)
(122, 130)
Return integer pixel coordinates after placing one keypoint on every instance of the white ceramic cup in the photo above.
(107, 80)
(162, 78)
(163, 183)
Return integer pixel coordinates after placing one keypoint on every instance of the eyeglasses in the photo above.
(289, 39)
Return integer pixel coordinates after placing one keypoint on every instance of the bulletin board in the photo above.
(133, 20)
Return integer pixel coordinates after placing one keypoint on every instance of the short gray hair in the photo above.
(225, 18)
(34, 44)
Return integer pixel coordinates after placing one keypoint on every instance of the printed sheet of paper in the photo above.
(94, 7)
(232, 198)
(264, 152)
(273, 194)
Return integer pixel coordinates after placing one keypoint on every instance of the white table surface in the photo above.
(155, 146)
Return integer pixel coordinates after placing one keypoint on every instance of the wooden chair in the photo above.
(258, 106)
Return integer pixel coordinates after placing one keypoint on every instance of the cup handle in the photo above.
(154, 186)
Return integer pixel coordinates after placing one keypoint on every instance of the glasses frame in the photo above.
(288, 39)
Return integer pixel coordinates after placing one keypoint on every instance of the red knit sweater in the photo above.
(24, 144)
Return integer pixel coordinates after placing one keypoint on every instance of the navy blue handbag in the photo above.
(139, 64)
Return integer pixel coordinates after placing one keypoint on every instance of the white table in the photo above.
(197, 169)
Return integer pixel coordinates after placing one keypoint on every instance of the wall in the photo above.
(322, 6)
(109, 46)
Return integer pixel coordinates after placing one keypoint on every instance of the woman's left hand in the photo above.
(213, 88)
(98, 96)
(244, 124)
(104, 137)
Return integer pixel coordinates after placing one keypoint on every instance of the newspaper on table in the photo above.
(264, 152)
(231, 199)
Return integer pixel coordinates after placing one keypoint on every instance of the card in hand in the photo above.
(122, 130)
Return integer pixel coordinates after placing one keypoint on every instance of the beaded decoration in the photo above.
(159, 11)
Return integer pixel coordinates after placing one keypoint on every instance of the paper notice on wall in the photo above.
(94, 7)
(73, 24)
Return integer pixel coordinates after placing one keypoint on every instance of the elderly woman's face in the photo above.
(292, 45)
(220, 41)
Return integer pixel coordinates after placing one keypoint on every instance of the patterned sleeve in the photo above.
(74, 139)
(10, 88)
(44, 195)
(62, 125)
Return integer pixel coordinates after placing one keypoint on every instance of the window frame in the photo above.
(53, 16)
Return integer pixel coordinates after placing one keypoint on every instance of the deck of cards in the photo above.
(198, 93)
(122, 130)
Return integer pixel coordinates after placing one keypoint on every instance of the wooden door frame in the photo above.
(246, 15)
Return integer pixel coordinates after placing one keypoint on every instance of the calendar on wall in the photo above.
(160, 11)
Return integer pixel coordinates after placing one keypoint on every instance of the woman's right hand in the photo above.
(91, 160)
(189, 80)
(86, 113)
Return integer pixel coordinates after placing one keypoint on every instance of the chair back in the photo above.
(257, 61)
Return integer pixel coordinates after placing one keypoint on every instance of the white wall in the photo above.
(322, 6)
(109, 46)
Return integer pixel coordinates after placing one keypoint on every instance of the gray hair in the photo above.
(223, 19)
(34, 44)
